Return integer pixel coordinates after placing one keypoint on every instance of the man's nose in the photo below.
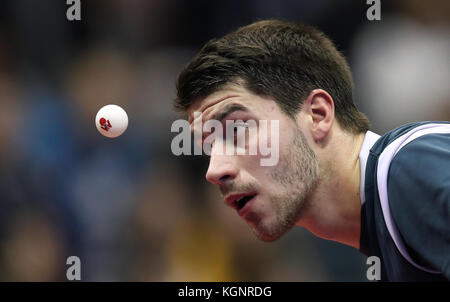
(221, 168)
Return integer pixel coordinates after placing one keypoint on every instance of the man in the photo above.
(333, 176)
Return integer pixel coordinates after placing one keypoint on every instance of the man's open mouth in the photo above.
(243, 201)
(238, 201)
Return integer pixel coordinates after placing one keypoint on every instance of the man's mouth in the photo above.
(238, 201)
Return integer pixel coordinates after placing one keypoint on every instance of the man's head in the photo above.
(275, 71)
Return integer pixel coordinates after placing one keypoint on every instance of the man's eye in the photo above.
(240, 125)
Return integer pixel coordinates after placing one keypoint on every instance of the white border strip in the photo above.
(369, 140)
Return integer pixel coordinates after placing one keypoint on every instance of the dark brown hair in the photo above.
(274, 58)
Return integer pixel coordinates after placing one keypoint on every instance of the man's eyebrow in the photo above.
(227, 110)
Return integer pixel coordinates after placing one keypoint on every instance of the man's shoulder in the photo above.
(419, 150)
(418, 187)
(419, 158)
(430, 150)
(398, 132)
(422, 167)
(410, 178)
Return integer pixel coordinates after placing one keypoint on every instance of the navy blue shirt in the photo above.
(410, 232)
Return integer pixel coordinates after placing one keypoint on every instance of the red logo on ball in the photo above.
(105, 124)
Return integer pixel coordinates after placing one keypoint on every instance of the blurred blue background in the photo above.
(127, 207)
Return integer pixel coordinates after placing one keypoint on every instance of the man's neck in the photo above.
(334, 211)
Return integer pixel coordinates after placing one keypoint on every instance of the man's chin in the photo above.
(267, 236)
(267, 228)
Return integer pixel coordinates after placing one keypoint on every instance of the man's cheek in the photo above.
(269, 142)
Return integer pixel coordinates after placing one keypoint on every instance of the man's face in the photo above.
(271, 199)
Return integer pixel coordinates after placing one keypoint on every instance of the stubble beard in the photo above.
(298, 174)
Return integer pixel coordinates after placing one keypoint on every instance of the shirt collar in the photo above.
(369, 140)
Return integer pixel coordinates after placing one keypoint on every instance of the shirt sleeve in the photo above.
(419, 199)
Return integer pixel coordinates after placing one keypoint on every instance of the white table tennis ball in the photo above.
(111, 121)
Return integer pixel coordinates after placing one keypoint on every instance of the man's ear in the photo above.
(319, 106)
